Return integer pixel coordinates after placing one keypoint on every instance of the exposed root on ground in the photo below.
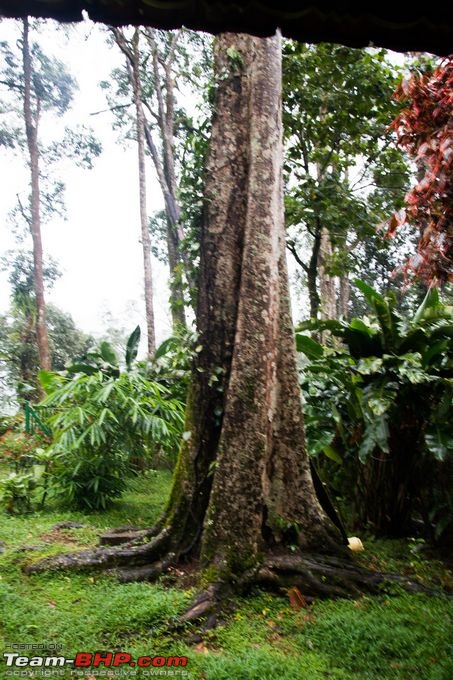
(133, 553)
(149, 556)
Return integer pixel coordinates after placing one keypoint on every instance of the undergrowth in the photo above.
(388, 637)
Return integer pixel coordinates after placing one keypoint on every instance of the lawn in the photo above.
(392, 636)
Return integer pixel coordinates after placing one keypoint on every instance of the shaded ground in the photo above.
(404, 637)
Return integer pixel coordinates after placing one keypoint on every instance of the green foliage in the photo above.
(13, 423)
(103, 420)
(342, 173)
(25, 456)
(16, 490)
(52, 93)
(18, 351)
(172, 363)
(388, 385)
(385, 638)
(19, 448)
(132, 347)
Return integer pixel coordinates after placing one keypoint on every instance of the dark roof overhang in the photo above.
(403, 26)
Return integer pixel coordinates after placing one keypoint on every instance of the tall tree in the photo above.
(31, 119)
(167, 61)
(132, 54)
(243, 499)
(38, 84)
(341, 172)
(18, 347)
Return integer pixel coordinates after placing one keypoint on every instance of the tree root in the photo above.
(149, 572)
(316, 575)
(133, 553)
(327, 576)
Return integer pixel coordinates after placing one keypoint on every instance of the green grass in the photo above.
(398, 637)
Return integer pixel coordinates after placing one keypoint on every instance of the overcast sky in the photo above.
(97, 248)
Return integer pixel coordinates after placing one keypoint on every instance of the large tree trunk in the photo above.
(262, 493)
(243, 499)
(31, 128)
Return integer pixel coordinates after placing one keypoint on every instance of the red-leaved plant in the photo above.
(425, 130)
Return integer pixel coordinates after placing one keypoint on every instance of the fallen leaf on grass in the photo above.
(296, 599)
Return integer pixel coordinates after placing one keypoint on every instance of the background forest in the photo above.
(92, 417)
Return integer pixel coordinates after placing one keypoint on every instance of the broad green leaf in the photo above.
(107, 353)
(164, 347)
(333, 454)
(415, 374)
(311, 348)
(376, 435)
(369, 365)
(430, 300)
(132, 347)
(439, 443)
(320, 441)
(369, 293)
(379, 405)
(359, 325)
(332, 325)
(49, 381)
(82, 368)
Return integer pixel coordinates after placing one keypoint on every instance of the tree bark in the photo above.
(31, 127)
(312, 274)
(165, 169)
(326, 281)
(176, 291)
(343, 298)
(262, 491)
(132, 55)
(146, 244)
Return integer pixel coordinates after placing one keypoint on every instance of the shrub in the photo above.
(102, 420)
(380, 404)
(19, 448)
(16, 491)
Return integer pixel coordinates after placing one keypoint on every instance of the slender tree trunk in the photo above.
(27, 367)
(165, 168)
(343, 299)
(176, 291)
(132, 54)
(326, 281)
(312, 275)
(31, 127)
(146, 244)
